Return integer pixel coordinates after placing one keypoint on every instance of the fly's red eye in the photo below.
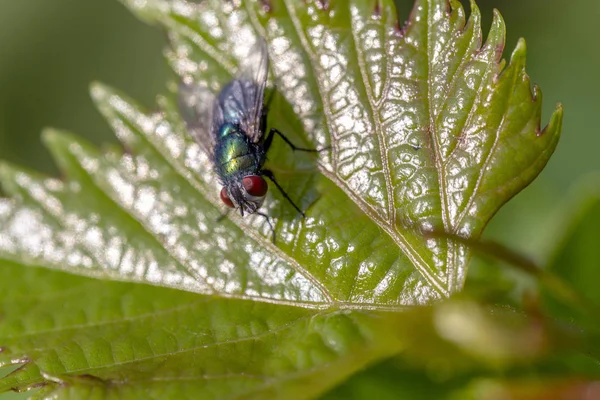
(255, 185)
(225, 198)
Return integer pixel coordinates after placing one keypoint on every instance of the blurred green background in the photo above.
(50, 50)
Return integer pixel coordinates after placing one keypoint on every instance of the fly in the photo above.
(231, 129)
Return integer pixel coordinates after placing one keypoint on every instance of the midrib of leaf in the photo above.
(497, 132)
(436, 156)
(373, 107)
(326, 108)
(482, 173)
(450, 226)
(474, 46)
(388, 225)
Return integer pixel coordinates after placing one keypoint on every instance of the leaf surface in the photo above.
(126, 340)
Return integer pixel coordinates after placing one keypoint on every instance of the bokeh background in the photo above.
(50, 51)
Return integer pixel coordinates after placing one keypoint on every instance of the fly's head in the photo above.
(246, 194)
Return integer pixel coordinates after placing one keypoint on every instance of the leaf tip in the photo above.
(5, 182)
(147, 10)
(7, 179)
(497, 16)
(103, 97)
(473, 23)
(475, 12)
(497, 34)
(521, 47)
(60, 143)
(559, 108)
(12, 379)
(517, 58)
(52, 136)
(99, 92)
(4, 169)
(554, 127)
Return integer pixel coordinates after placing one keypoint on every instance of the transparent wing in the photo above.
(253, 74)
(201, 113)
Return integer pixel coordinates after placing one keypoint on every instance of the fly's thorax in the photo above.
(236, 155)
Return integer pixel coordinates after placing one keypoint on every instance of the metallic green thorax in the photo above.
(235, 154)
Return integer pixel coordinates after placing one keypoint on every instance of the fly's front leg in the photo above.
(269, 174)
(266, 217)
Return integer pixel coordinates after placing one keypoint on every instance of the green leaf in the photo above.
(427, 131)
(172, 344)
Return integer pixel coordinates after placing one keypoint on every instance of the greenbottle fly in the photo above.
(231, 129)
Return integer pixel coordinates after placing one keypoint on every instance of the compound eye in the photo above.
(225, 198)
(255, 185)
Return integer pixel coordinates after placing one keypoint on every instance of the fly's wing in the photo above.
(253, 74)
(201, 113)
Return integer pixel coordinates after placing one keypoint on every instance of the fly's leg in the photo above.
(266, 217)
(274, 131)
(269, 174)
